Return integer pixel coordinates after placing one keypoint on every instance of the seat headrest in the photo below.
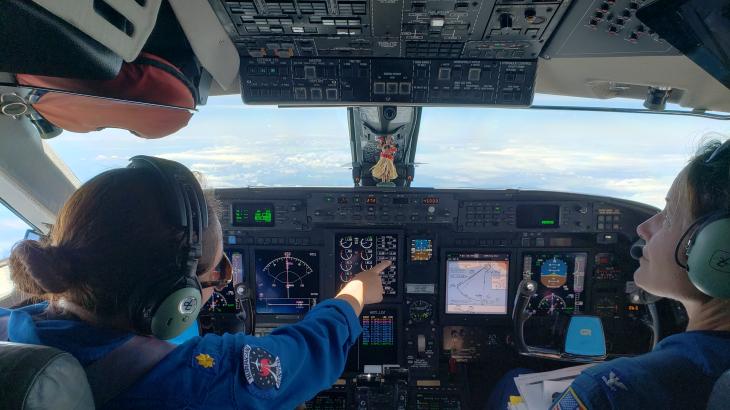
(41, 377)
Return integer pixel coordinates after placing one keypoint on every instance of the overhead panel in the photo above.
(608, 28)
(420, 52)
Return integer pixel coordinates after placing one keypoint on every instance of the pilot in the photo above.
(115, 244)
(683, 259)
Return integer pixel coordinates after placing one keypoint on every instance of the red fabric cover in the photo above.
(135, 82)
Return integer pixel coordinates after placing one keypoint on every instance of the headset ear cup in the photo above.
(176, 313)
(708, 259)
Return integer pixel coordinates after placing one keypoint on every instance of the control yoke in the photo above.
(584, 343)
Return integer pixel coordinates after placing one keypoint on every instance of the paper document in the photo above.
(537, 389)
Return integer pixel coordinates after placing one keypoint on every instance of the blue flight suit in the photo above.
(678, 374)
(282, 370)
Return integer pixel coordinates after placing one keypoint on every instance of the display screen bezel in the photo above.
(507, 279)
(400, 262)
(357, 367)
(254, 279)
(538, 216)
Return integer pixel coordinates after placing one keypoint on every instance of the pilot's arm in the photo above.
(278, 371)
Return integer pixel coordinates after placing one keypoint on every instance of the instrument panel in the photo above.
(457, 256)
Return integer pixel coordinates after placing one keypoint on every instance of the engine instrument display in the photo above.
(356, 253)
(560, 277)
(287, 282)
(378, 343)
(476, 283)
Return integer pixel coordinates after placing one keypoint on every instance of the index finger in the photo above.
(382, 266)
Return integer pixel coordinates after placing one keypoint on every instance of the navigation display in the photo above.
(560, 277)
(476, 283)
(378, 343)
(356, 253)
(287, 282)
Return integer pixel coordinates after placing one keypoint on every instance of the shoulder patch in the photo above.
(261, 368)
(569, 401)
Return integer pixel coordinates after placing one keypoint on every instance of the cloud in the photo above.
(627, 156)
(12, 224)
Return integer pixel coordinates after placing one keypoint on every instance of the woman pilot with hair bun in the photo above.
(686, 258)
(123, 268)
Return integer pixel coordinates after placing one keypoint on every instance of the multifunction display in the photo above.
(476, 283)
(287, 282)
(359, 252)
(378, 344)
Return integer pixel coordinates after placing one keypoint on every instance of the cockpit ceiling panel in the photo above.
(598, 28)
(399, 29)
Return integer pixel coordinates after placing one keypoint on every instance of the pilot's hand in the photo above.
(372, 282)
(366, 287)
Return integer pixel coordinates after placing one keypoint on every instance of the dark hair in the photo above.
(111, 235)
(708, 184)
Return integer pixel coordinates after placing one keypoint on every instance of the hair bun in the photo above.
(47, 266)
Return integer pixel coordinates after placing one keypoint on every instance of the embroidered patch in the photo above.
(569, 401)
(205, 360)
(261, 368)
(613, 382)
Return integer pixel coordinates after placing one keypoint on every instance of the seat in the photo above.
(720, 396)
(40, 377)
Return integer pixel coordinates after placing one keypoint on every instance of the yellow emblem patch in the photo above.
(205, 360)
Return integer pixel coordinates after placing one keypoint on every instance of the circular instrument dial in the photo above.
(551, 304)
(217, 303)
(420, 311)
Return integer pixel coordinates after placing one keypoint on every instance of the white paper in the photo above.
(537, 389)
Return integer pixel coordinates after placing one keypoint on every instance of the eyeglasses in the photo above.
(718, 152)
(225, 272)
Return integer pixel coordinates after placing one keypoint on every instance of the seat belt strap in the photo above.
(123, 366)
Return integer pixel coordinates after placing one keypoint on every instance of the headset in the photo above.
(708, 254)
(167, 306)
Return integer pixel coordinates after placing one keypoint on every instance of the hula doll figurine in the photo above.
(385, 170)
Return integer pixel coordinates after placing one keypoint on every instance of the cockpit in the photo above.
(500, 153)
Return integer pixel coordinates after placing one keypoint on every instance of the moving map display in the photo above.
(560, 277)
(476, 283)
(287, 282)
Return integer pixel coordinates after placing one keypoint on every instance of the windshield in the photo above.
(621, 155)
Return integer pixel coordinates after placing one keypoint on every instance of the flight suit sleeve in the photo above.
(295, 362)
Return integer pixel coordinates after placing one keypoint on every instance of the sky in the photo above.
(627, 156)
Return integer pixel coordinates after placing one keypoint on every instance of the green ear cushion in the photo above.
(709, 259)
(176, 313)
